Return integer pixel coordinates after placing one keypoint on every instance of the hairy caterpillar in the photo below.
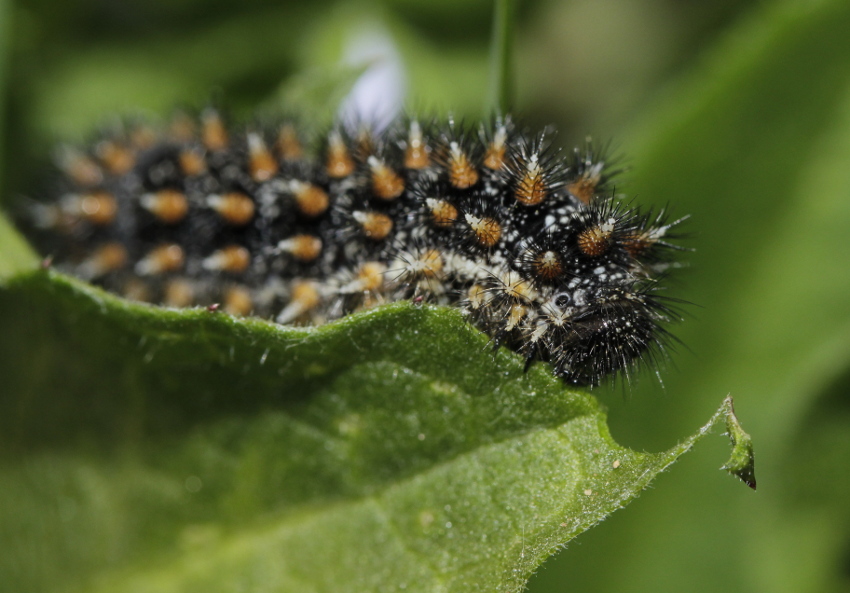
(531, 244)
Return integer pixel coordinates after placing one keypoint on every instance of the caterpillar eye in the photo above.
(562, 300)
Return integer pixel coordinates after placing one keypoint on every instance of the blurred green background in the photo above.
(737, 113)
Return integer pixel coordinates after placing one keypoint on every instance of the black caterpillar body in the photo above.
(532, 245)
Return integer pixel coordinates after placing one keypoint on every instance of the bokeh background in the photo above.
(736, 112)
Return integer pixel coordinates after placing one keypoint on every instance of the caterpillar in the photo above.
(531, 243)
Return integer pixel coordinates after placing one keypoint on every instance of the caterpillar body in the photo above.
(531, 243)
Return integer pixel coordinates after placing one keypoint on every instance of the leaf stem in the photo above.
(500, 98)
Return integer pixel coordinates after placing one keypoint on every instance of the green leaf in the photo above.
(153, 450)
(15, 254)
(754, 143)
